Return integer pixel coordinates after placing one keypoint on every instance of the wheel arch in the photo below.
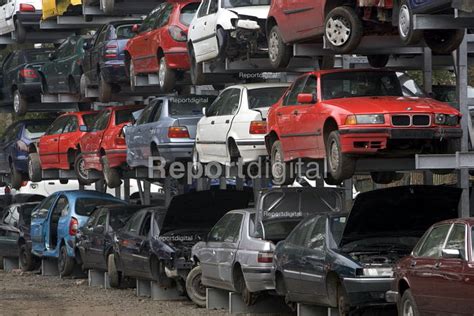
(330, 5)
(403, 285)
(330, 125)
(270, 138)
(271, 22)
(332, 283)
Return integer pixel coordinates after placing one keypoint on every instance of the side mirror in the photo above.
(305, 98)
(451, 254)
(52, 56)
(83, 128)
(204, 111)
(99, 229)
(135, 28)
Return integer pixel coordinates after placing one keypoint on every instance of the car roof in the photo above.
(330, 71)
(84, 193)
(251, 86)
(25, 203)
(125, 107)
(124, 22)
(466, 220)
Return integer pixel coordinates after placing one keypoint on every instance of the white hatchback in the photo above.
(17, 15)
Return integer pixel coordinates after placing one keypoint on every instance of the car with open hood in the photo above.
(344, 115)
(346, 261)
(237, 254)
(155, 244)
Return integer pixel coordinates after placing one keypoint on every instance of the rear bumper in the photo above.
(259, 278)
(114, 71)
(176, 151)
(177, 58)
(116, 157)
(30, 89)
(251, 149)
(29, 18)
(367, 291)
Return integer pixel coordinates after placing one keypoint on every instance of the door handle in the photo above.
(279, 114)
(205, 23)
(437, 265)
(227, 121)
(295, 112)
(212, 122)
(413, 264)
(55, 139)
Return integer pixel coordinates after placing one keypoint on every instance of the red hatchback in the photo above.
(103, 148)
(160, 44)
(438, 277)
(342, 115)
(57, 148)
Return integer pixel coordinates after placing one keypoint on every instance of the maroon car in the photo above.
(438, 277)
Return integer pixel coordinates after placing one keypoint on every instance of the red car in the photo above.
(341, 115)
(103, 148)
(160, 44)
(57, 148)
(438, 277)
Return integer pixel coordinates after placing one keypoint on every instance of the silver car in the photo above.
(237, 255)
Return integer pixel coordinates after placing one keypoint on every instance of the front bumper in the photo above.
(367, 291)
(29, 18)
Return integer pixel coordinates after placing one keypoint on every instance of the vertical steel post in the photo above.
(126, 189)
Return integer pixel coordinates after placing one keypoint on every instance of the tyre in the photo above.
(27, 261)
(340, 165)
(81, 171)
(107, 6)
(281, 171)
(408, 35)
(111, 175)
(34, 167)
(65, 263)
(196, 164)
(20, 103)
(278, 52)
(105, 90)
(443, 41)
(386, 177)
(132, 76)
(197, 76)
(378, 61)
(83, 85)
(20, 32)
(249, 298)
(166, 76)
(115, 277)
(194, 288)
(343, 302)
(16, 177)
(343, 29)
(408, 305)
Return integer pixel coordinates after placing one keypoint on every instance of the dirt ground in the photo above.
(33, 294)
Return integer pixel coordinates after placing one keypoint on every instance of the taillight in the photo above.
(178, 132)
(177, 33)
(26, 7)
(73, 226)
(120, 139)
(28, 73)
(21, 146)
(265, 257)
(111, 51)
(258, 127)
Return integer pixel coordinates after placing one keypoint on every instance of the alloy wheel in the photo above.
(338, 31)
(278, 164)
(333, 156)
(407, 309)
(162, 72)
(404, 21)
(273, 46)
(82, 169)
(16, 102)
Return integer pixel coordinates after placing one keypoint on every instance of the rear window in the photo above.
(119, 217)
(85, 206)
(36, 130)
(274, 230)
(187, 13)
(188, 106)
(34, 57)
(26, 212)
(124, 31)
(89, 119)
(261, 98)
(124, 116)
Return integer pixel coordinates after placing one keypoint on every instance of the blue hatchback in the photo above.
(54, 224)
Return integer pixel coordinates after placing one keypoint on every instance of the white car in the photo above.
(17, 15)
(226, 29)
(234, 126)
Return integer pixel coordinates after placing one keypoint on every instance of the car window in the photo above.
(146, 113)
(124, 31)
(85, 206)
(34, 56)
(217, 233)
(58, 126)
(103, 35)
(213, 6)
(433, 243)
(188, 12)
(71, 125)
(26, 212)
(89, 119)
(102, 220)
(232, 231)
(61, 207)
(265, 97)
(203, 9)
(159, 108)
(336, 226)
(299, 234)
(457, 238)
(93, 218)
(146, 225)
(35, 129)
(149, 21)
(231, 104)
(124, 116)
(292, 96)
(310, 85)
(228, 4)
(218, 103)
(163, 18)
(118, 218)
(102, 121)
(11, 216)
(43, 209)
(318, 235)
(133, 225)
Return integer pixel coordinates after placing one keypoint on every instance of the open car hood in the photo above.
(406, 211)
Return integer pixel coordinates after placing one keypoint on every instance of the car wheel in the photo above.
(20, 32)
(16, 177)
(107, 6)
(408, 35)
(20, 103)
(34, 167)
(281, 171)
(81, 171)
(105, 89)
(166, 76)
(27, 261)
(83, 85)
(343, 29)
(65, 263)
(194, 288)
(197, 76)
(278, 52)
(386, 177)
(132, 76)
(340, 165)
(249, 298)
(195, 162)
(115, 276)
(111, 175)
(1, 263)
(378, 61)
(408, 305)
(443, 41)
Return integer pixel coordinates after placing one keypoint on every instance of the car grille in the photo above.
(414, 120)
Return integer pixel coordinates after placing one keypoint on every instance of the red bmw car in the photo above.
(57, 148)
(103, 148)
(160, 44)
(342, 115)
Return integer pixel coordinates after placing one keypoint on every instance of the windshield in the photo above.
(243, 3)
(124, 116)
(119, 217)
(368, 84)
(124, 31)
(261, 98)
(187, 13)
(85, 206)
(34, 57)
(336, 225)
(89, 119)
(188, 106)
(36, 130)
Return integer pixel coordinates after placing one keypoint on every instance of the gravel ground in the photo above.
(33, 294)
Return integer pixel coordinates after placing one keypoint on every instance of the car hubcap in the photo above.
(338, 31)
(132, 75)
(404, 21)
(16, 102)
(30, 168)
(273, 46)
(200, 289)
(82, 169)
(162, 72)
(334, 156)
(408, 309)
(278, 164)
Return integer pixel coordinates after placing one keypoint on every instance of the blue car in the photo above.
(55, 222)
(14, 145)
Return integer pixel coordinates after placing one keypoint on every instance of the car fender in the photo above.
(224, 18)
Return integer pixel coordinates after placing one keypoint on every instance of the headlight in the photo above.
(446, 119)
(378, 272)
(365, 119)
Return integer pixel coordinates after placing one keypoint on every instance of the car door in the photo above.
(3, 16)
(91, 142)
(306, 17)
(227, 252)
(39, 224)
(97, 52)
(65, 57)
(85, 240)
(203, 31)
(67, 139)
(49, 143)
(127, 240)
(9, 232)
